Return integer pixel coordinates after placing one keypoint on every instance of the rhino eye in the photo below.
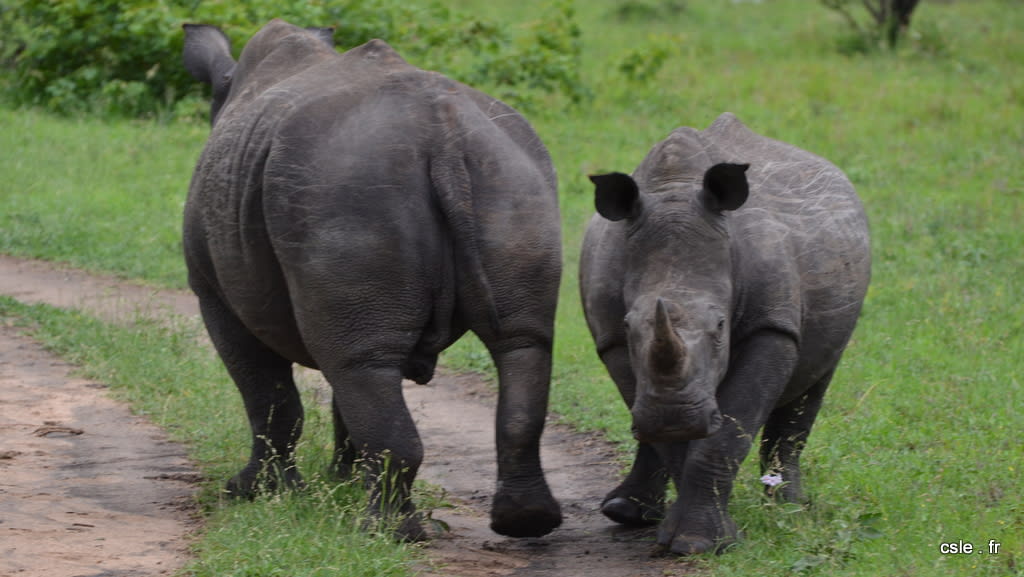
(720, 332)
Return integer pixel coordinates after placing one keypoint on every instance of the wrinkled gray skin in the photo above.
(357, 215)
(718, 313)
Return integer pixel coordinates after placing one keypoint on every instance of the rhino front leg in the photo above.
(640, 499)
(699, 520)
(785, 435)
(523, 505)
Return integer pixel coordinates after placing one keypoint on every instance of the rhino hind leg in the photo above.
(784, 436)
(272, 401)
(386, 451)
(523, 505)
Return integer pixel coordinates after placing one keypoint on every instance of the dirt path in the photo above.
(454, 415)
(78, 496)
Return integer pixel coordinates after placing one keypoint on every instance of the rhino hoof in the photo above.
(406, 528)
(410, 530)
(685, 545)
(247, 485)
(515, 518)
(630, 512)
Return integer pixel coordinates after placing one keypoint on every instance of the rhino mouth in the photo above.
(685, 423)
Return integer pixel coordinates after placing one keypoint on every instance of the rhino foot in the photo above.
(695, 532)
(632, 511)
(410, 530)
(403, 527)
(687, 544)
(254, 481)
(525, 514)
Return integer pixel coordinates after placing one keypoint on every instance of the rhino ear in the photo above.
(325, 34)
(668, 353)
(725, 186)
(616, 195)
(207, 53)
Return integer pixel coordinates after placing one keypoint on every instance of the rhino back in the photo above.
(320, 184)
(436, 198)
(323, 179)
(730, 140)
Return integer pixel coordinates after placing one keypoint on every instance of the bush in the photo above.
(641, 65)
(115, 57)
(100, 56)
(544, 59)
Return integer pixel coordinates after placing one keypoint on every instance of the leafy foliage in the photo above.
(641, 65)
(546, 58)
(519, 65)
(101, 56)
(123, 57)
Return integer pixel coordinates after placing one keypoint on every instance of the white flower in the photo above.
(772, 479)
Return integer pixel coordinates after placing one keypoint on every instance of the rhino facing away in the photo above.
(721, 283)
(355, 214)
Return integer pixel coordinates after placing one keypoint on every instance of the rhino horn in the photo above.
(668, 352)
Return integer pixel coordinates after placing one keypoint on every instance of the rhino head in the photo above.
(678, 290)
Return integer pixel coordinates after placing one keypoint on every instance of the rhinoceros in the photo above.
(357, 215)
(721, 283)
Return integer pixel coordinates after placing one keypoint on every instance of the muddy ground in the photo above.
(88, 489)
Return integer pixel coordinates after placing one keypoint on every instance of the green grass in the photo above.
(103, 196)
(918, 443)
(180, 385)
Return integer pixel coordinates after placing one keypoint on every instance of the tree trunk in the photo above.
(894, 15)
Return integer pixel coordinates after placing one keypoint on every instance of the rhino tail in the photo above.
(453, 188)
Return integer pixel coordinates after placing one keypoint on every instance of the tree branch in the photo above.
(840, 7)
(879, 13)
